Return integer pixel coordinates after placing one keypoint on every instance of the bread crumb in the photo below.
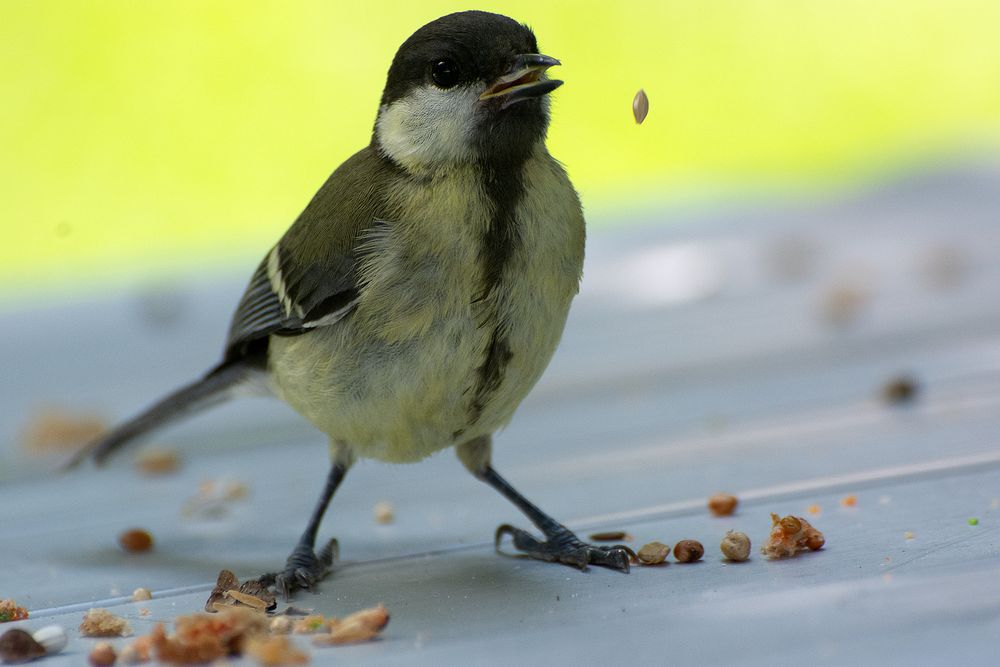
(153, 462)
(275, 651)
(206, 637)
(790, 535)
(141, 595)
(384, 512)
(281, 625)
(102, 623)
(311, 624)
(10, 611)
(360, 626)
(214, 498)
(137, 652)
(102, 655)
(843, 303)
(54, 430)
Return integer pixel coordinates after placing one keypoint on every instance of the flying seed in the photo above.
(640, 106)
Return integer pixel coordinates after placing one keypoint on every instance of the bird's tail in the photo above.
(216, 387)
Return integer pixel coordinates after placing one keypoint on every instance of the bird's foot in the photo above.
(303, 569)
(565, 547)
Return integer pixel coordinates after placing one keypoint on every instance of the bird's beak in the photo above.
(523, 81)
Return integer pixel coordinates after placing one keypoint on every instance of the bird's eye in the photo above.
(445, 73)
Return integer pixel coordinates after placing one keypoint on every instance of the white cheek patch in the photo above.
(429, 127)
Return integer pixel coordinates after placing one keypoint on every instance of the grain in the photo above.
(735, 546)
(688, 551)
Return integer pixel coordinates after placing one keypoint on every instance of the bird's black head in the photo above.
(467, 87)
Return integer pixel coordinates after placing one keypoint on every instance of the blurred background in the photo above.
(816, 185)
(142, 140)
(790, 294)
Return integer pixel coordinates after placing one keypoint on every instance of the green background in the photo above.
(140, 139)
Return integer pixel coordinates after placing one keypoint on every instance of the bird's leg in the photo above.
(561, 545)
(304, 568)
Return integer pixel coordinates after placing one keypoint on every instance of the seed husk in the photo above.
(17, 645)
(52, 638)
(248, 600)
(653, 553)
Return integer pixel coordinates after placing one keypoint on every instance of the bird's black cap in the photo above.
(481, 44)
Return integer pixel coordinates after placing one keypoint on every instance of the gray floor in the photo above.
(700, 357)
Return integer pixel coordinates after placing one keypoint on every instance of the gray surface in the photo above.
(688, 367)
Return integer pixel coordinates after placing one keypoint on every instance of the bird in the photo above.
(421, 293)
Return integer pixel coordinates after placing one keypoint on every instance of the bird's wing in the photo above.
(309, 278)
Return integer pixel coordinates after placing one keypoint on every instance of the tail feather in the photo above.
(210, 390)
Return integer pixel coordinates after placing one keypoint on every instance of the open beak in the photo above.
(523, 81)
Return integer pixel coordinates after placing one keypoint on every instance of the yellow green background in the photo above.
(143, 138)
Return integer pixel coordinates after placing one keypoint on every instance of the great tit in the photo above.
(421, 293)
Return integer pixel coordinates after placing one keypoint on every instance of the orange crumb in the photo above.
(849, 501)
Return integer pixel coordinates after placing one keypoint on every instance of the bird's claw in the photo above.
(304, 569)
(565, 547)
